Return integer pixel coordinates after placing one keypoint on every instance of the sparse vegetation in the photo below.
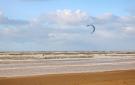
(59, 55)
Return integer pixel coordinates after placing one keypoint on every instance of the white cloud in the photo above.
(45, 31)
(6, 21)
(65, 18)
(129, 30)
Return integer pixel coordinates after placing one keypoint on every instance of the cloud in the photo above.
(66, 30)
(64, 18)
(129, 30)
(6, 21)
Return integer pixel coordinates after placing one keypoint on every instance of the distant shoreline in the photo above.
(67, 51)
(18, 55)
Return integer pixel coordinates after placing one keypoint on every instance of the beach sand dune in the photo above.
(126, 77)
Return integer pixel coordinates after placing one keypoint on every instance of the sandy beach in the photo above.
(126, 77)
(62, 68)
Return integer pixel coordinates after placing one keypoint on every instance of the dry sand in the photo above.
(125, 77)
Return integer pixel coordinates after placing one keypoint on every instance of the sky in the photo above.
(60, 25)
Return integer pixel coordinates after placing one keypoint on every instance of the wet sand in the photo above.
(125, 77)
(11, 68)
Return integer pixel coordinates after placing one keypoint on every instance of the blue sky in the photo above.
(60, 25)
(30, 8)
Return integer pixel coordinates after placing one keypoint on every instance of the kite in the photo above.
(91, 25)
